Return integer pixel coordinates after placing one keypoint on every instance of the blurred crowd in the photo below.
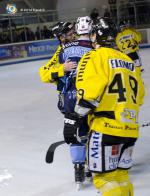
(22, 33)
(25, 34)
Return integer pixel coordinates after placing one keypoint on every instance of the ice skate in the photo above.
(79, 175)
(87, 174)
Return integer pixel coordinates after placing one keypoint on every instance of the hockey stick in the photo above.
(145, 125)
(50, 152)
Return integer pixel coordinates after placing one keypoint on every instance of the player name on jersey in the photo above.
(126, 37)
(116, 63)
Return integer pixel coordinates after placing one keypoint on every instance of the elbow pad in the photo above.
(84, 107)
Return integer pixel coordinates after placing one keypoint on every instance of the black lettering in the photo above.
(116, 62)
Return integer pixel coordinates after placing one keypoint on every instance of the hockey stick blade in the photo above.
(145, 125)
(50, 152)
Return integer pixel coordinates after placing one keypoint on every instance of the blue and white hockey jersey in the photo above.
(72, 51)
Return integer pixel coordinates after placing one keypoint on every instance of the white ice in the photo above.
(30, 122)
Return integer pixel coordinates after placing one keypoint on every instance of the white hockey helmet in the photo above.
(83, 25)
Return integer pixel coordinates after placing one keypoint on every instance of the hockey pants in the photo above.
(116, 183)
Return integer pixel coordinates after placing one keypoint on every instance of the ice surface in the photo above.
(30, 122)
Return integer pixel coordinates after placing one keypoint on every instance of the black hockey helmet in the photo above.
(106, 31)
(66, 27)
(56, 29)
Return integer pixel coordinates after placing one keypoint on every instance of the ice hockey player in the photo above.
(110, 91)
(128, 40)
(53, 71)
(73, 51)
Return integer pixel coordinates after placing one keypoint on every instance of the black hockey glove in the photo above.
(71, 125)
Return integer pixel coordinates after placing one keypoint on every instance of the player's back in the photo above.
(75, 50)
(128, 40)
(118, 86)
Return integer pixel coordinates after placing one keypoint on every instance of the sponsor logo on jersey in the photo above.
(112, 156)
(126, 159)
(130, 128)
(112, 126)
(95, 145)
(129, 116)
(117, 63)
(113, 159)
(115, 150)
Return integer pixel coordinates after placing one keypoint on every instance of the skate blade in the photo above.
(79, 186)
(89, 179)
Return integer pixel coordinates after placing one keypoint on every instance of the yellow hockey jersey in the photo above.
(109, 78)
(52, 68)
(128, 40)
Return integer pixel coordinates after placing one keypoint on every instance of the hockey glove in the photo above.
(71, 125)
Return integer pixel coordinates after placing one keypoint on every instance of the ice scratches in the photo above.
(5, 177)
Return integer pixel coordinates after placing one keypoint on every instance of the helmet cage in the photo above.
(83, 25)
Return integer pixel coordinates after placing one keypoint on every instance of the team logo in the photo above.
(129, 115)
(11, 8)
